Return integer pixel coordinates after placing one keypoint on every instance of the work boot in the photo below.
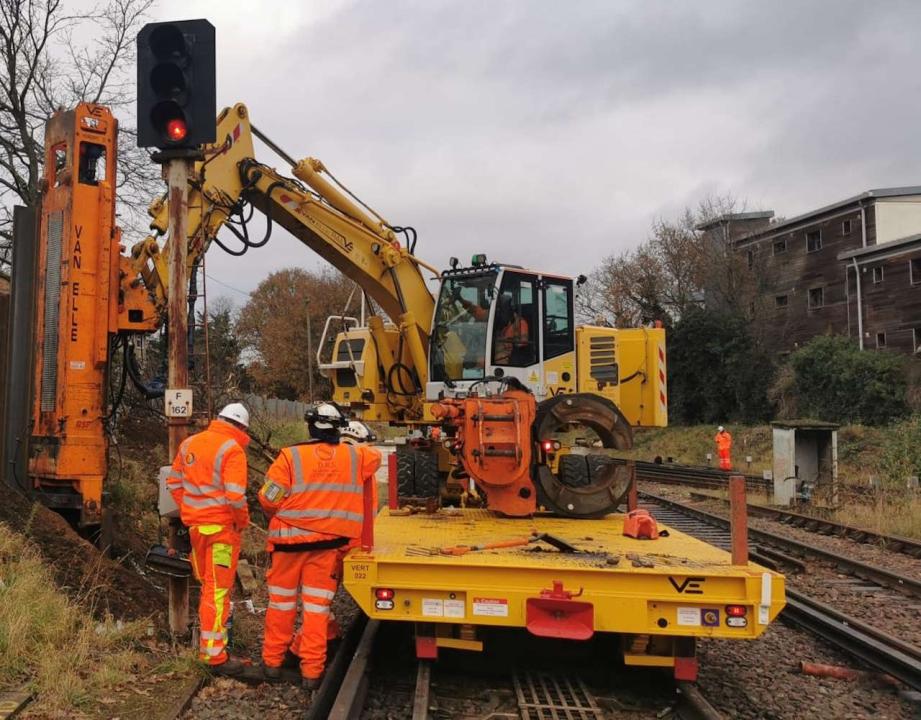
(311, 685)
(291, 660)
(271, 673)
(230, 667)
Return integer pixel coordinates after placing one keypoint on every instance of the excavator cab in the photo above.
(501, 321)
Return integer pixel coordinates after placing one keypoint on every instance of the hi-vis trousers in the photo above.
(215, 551)
(310, 577)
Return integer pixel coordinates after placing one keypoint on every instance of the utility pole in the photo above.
(177, 173)
(309, 356)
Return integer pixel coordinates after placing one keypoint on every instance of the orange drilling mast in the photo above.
(78, 308)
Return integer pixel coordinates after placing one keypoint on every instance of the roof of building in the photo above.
(805, 424)
(874, 194)
(884, 250)
(729, 217)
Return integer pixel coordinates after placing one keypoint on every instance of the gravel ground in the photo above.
(761, 679)
(890, 610)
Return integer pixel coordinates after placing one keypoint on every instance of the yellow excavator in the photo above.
(490, 327)
(493, 333)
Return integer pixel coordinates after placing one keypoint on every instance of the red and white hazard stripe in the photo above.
(663, 385)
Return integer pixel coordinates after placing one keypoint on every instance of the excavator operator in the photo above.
(513, 331)
(208, 483)
(313, 498)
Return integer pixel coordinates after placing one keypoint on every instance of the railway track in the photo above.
(525, 694)
(697, 476)
(873, 646)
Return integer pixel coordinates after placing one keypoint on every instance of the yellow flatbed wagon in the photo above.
(658, 595)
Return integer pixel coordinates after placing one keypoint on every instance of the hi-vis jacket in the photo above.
(723, 440)
(208, 477)
(313, 492)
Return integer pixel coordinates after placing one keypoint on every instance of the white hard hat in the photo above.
(720, 428)
(324, 416)
(237, 413)
(357, 431)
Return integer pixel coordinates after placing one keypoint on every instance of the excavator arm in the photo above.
(312, 207)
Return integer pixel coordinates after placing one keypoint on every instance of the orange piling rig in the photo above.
(76, 313)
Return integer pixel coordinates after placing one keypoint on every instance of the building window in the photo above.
(780, 246)
(846, 227)
(877, 275)
(751, 259)
(780, 301)
(914, 270)
(880, 340)
(816, 298)
(813, 240)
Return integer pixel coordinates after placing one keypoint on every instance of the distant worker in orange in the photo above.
(208, 483)
(723, 446)
(314, 500)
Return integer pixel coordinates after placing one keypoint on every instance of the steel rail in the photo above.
(873, 646)
(887, 578)
(895, 543)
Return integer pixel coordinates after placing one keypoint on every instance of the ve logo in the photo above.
(688, 586)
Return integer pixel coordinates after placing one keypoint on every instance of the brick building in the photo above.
(850, 268)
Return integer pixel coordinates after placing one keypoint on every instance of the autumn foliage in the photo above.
(273, 329)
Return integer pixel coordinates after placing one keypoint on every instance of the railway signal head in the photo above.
(177, 101)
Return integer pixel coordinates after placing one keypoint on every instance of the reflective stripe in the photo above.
(311, 607)
(290, 532)
(212, 651)
(194, 489)
(353, 466)
(299, 485)
(210, 635)
(238, 503)
(332, 487)
(234, 487)
(203, 502)
(314, 513)
(282, 605)
(318, 592)
(218, 461)
(277, 590)
(175, 474)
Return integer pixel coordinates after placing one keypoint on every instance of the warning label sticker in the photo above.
(454, 608)
(433, 607)
(689, 616)
(490, 607)
(764, 614)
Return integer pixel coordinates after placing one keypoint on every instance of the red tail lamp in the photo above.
(736, 610)
(383, 593)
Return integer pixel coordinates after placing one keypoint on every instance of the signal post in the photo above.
(176, 112)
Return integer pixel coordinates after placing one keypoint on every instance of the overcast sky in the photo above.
(551, 134)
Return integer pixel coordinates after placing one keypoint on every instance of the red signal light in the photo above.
(736, 610)
(176, 130)
(547, 445)
(383, 594)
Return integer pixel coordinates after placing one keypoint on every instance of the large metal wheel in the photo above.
(606, 482)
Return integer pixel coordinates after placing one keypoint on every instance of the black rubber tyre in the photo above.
(597, 464)
(406, 471)
(427, 478)
(574, 471)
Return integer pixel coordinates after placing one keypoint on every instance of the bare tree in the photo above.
(51, 58)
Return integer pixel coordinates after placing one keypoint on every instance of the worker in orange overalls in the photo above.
(723, 445)
(512, 333)
(208, 483)
(314, 500)
(354, 433)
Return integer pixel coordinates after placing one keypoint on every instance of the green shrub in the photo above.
(901, 453)
(834, 380)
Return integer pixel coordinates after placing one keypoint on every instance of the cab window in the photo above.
(558, 338)
(515, 324)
